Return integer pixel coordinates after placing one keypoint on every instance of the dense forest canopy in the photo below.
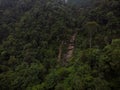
(53, 45)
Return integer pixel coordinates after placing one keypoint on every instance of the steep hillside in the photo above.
(50, 45)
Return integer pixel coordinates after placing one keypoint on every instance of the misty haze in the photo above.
(59, 44)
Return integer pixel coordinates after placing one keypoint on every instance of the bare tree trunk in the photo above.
(90, 39)
(60, 52)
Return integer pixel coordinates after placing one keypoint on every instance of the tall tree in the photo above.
(91, 27)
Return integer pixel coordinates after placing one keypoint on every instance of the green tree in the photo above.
(91, 27)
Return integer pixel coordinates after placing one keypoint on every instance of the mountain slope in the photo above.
(50, 45)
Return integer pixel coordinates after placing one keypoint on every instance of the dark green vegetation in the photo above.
(33, 32)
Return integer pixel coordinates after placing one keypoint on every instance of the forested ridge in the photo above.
(53, 45)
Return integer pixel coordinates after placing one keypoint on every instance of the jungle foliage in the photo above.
(31, 32)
